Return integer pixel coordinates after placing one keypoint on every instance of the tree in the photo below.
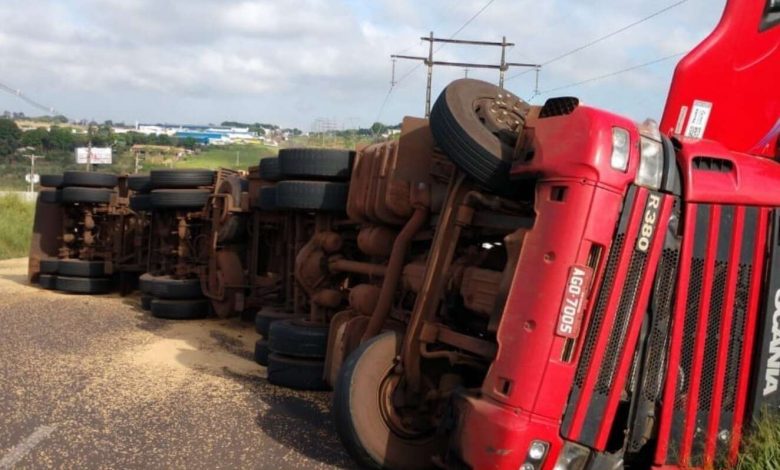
(10, 137)
(38, 138)
(61, 138)
(378, 128)
(188, 143)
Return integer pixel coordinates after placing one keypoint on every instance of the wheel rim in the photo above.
(396, 423)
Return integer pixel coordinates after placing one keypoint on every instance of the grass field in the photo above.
(239, 157)
(16, 227)
(230, 156)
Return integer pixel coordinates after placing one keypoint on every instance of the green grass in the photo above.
(16, 227)
(214, 157)
(761, 447)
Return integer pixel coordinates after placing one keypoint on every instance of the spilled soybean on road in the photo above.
(95, 382)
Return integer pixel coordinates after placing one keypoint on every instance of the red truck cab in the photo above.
(629, 332)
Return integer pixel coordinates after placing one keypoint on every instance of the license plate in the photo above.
(577, 287)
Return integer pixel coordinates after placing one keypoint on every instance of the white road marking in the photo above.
(25, 447)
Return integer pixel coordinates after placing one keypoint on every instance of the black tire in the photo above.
(298, 338)
(313, 163)
(181, 179)
(180, 198)
(83, 285)
(51, 181)
(81, 268)
(49, 266)
(47, 281)
(458, 123)
(261, 352)
(362, 428)
(296, 373)
(52, 196)
(73, 194)
(139, 183)
(146, 302)
(141, 202)
(180, 309)
(264, 319)
(88, 179)
(266, 200)
(166, 287)
(269, 169)
(312, 195)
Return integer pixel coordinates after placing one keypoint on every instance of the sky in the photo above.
(292, 62)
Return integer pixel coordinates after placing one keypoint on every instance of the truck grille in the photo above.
(707, 346)
(609, 349)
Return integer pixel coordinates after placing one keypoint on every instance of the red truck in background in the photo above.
(639, 326)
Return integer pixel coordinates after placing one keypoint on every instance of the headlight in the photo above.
(572, 457)
(534, 459)
(651, 158)
(651, 164)
(621, 148)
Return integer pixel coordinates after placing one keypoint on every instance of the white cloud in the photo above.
(291, 61)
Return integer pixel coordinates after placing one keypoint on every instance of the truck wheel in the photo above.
(166, 287)
(49, 266)
(180, 198)
(52, 196)
(320, 164)
(180, 309)
(81, 268)
(51, 181)
(298, 338)
(74, 194)
(181, 179)
(47, 281)
(296, 373)
(146, 302)
(141, 202)
(139, 183)
(266, 200)
(269, 169)
(477, 125)
(362, 406)
(88, 179)
(264, 319)
(83, 285)
(312, 195)
(261, 352)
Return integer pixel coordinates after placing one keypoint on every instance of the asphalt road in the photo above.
(95, 382)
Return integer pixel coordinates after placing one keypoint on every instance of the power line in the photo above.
(23, 97)
(384, 103)
(452, 36)
(612, 74)
(468, 22)
(395, 83)
(605, 37)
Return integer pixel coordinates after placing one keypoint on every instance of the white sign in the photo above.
(700, 116)
(94, 155)
(36, 178)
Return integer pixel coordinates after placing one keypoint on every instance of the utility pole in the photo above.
(429, 63)
(32, 170)
(502, 67)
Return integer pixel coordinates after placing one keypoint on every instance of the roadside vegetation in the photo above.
(16, 219)
(761, 447)
(53, 141)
